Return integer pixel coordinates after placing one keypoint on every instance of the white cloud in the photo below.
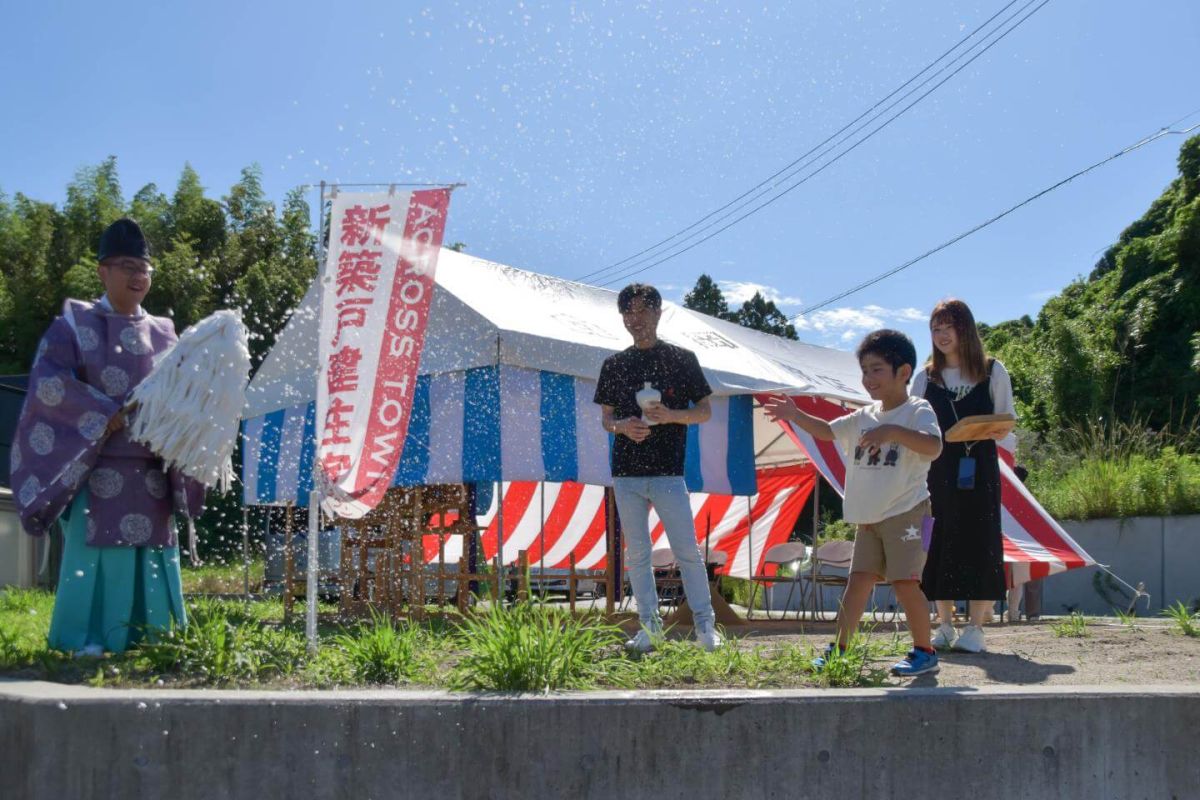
(848, 323)
(738, 292)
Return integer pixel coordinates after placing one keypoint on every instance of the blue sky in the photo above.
(589, 131)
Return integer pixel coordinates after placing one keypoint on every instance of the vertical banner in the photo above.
(375, 296)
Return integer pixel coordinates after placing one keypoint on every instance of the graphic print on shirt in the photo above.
(875, 455)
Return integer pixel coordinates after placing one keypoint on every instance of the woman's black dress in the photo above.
(966, 553)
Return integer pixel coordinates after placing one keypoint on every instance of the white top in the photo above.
(884, 482)
(1000, 390)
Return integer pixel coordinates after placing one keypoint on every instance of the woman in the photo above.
(966, 552)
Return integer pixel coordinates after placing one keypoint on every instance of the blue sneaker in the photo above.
(820, 661)
(917, 662)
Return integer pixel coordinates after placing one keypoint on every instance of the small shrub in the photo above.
(531, 648)
(1185, 621)
(1073, 627)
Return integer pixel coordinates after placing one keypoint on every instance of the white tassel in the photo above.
(188, 408)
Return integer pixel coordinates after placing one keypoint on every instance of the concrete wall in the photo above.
(1005, 743)
(1162, 552)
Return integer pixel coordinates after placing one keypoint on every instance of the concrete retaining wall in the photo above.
(990, 743)
(1162, 552)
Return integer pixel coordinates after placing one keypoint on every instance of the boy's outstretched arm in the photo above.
(779, 407)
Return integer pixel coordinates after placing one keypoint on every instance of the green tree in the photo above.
(707, 298)
(1123, 342)
(761, 314)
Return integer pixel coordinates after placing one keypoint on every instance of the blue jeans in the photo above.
(669, 496)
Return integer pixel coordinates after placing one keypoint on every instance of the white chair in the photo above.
(830, 567)
(778, 556)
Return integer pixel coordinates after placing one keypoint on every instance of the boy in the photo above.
(889, 446)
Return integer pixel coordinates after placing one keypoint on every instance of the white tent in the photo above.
(505, 345)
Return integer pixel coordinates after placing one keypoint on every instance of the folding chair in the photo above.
(667, 581)
(835, 555)
(778, 555)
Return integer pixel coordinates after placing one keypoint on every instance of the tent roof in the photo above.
(485, 313)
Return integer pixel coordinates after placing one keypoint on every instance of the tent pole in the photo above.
(500, 542)
(314, 498)
(314, 519)
(816, 505)
(542, 536)
(499, 499)
(753, 561)
(246, 552)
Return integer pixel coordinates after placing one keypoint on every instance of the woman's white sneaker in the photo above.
(971, 640)
(944, 636)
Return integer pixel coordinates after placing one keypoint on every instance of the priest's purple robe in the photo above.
(87, 364)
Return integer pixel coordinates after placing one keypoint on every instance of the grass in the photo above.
(1117, 469)
(1072, 627)
(1185, 621)
(1128, 619)
(383, 651)
(530, 648)
(222, 578)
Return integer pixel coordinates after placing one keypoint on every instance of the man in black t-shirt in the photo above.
(650, 441)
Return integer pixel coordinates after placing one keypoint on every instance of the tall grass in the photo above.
(1105, 469)
(531, 648)
(383, 651)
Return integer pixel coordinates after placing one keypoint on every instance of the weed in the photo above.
(531, 648)
(851, 667)
(1185, 621)
(382, 651)
(1074, 627)
(1128, 619)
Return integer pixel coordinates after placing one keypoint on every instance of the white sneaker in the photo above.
(944, 636)
(708, 637)
(91, 651)
(971, 640)
(643, 642)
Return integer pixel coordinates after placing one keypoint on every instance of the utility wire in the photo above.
(830, 138)
(630, 272)
(808, 159)
(1166, 131)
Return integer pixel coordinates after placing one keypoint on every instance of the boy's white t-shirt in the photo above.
(888, 480)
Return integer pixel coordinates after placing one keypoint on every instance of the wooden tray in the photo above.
(981, 426)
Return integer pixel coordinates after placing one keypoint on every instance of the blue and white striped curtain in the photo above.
(489, 424)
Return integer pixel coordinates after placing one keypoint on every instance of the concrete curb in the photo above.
(1003, 742)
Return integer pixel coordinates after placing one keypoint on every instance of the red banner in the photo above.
(376, 293)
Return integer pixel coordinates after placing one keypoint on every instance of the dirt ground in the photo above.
(1029, 653)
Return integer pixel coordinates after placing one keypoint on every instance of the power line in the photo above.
(1165, 131)
(851, 128)
(832, 136)
(630, 272)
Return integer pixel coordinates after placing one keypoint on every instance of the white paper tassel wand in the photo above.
(188, 408)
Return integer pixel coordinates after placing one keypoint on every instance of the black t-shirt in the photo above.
(676, 373)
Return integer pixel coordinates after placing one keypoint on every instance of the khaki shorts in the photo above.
(891, 548)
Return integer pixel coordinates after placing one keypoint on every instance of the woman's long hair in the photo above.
(972, 360)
